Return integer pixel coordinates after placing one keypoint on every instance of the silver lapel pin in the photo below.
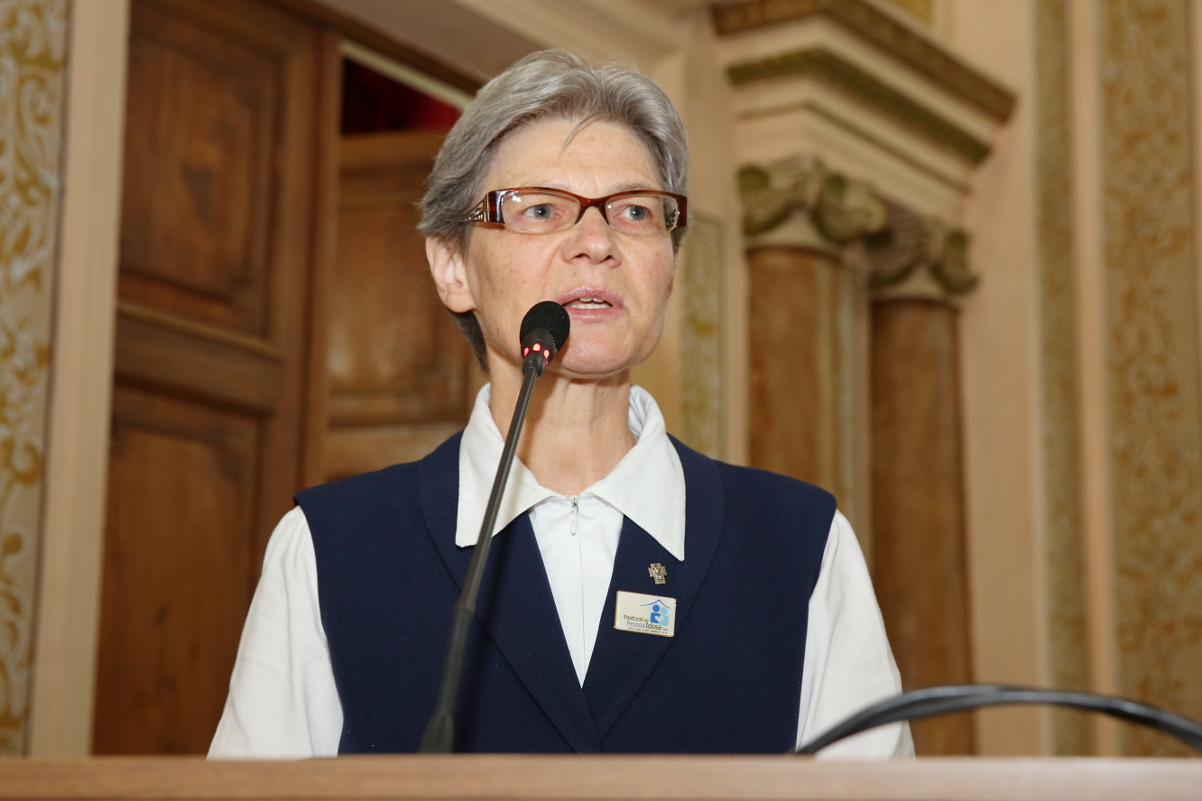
(658, 572)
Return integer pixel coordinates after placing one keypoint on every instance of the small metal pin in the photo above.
(658, 572)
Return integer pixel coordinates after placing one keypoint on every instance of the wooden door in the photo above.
(401, 377)
(226, 133)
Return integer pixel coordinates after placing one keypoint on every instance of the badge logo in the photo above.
(660, 615)
(645, 614)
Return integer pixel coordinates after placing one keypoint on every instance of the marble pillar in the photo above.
(855, 387)
(919, 560)
(808, 326)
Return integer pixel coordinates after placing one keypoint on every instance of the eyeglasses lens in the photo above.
(546, 212)
(538, 212)
(641, 215)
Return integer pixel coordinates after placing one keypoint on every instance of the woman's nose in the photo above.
(591, 238)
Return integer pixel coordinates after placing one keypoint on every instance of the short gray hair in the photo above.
(552, 84)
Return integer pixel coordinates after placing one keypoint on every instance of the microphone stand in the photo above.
(440, 731)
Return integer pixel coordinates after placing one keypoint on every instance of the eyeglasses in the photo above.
(538, 210)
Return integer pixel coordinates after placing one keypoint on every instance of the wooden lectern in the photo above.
(598, 778)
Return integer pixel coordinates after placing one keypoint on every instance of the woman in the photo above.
(566, 182)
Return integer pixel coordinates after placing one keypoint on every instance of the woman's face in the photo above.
(614, 286)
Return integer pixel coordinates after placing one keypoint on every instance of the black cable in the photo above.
(933, 701)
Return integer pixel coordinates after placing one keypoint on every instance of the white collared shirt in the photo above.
(283, 702)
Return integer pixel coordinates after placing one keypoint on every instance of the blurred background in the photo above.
(942, 262)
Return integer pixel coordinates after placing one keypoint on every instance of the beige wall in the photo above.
(77, 456)
(694, 79)
(999, 369)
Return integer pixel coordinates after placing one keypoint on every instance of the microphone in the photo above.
(544, 330)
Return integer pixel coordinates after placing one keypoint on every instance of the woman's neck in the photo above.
(576, 431)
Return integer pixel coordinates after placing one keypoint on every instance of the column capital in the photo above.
(798, 202)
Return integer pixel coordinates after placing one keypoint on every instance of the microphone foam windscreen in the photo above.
(549, 315)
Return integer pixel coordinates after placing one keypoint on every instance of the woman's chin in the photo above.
(593, 366)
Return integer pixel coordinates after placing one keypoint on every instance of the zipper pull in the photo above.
(575, 499)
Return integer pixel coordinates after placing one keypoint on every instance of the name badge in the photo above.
(645, 614)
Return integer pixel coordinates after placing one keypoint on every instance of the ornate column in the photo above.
(871, 132)
(855, 388)
(808, 328)
(919, 536)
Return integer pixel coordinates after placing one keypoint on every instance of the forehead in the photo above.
(564, 153)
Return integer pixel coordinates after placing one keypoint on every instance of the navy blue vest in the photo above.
(728, 682)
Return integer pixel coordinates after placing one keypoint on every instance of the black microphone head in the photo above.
(549, 315)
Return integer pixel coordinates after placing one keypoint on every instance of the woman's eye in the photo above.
(635, 212)
(542, 211)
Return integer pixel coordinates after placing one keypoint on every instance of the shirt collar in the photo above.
(647, 485)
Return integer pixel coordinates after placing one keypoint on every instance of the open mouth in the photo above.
(588, 303)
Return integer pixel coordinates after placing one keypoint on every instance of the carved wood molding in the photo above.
(234, 453)
(905, 254)
(884, 32)
(198, 328)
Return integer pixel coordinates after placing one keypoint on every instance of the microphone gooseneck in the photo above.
(932, 701)
(544, 330)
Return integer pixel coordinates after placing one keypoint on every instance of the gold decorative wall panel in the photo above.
(33, 44)
(1067, 645)
(701, 345)
(1152, 360)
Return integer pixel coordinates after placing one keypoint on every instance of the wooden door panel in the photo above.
(350, 450)
(226, 133)
(180, 563)
(216, 304)
(203, 123)
(401, 377)
(394, 352)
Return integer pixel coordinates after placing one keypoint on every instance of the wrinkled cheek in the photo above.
(665, 295)
(489, 281)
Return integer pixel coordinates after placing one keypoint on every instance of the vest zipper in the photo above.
(575, 499)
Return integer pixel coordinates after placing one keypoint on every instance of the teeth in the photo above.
(588, 303)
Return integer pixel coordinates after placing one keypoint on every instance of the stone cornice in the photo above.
(837, 70)
(883, 31)
(905, 254)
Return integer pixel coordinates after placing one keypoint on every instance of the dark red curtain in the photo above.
(374, 102)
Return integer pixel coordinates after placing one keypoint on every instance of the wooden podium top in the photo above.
(601, 778)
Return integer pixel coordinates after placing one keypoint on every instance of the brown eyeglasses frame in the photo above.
(488, 210)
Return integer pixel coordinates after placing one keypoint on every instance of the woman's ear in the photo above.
(675, 268)
(450, 275)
